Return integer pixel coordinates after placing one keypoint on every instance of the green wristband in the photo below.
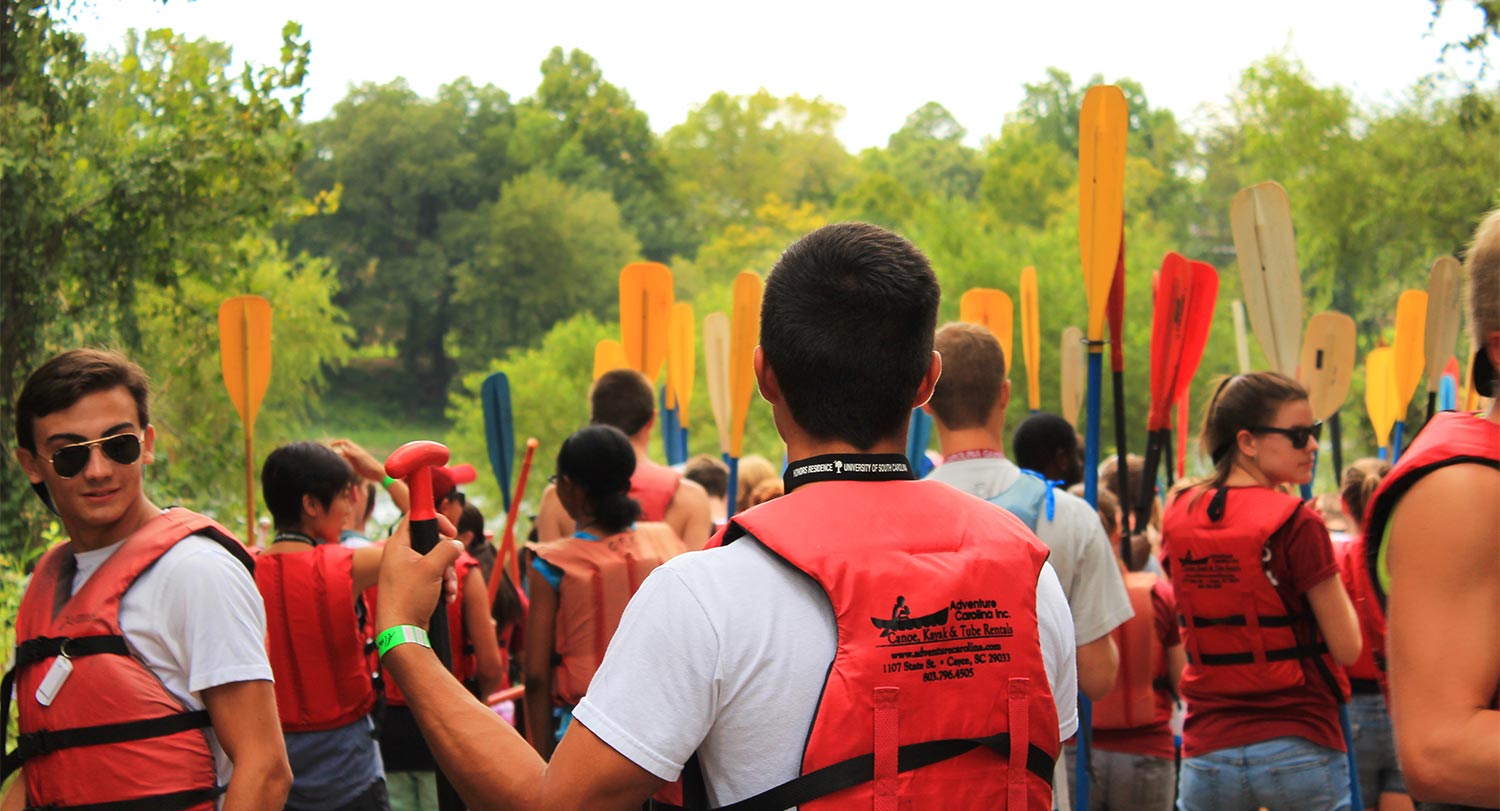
(387, 482)
(399, 634)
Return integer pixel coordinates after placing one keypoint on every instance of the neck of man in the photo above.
(641, 442)
(958, 440)
(807, 447)
(90, 538)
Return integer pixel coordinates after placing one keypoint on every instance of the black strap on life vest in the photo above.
(1238, 621)
(30, 652)
(861, 769)
(176, 801)
(1247, 657)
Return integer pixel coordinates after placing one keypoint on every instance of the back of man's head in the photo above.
(709, 472)
(622, 398)
(1041, 441)
(973, 373)
(847, 327)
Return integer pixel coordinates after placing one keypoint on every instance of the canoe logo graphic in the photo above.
(838, 466)
(902, 620)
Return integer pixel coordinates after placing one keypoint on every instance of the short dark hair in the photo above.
(298, 469)
(973, 371)
(847, 326)
(1038, 439)
(600, 460)
(709, 472)
(471, 520)
(67, 378)
(622, 398)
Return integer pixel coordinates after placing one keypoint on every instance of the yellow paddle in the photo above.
(743, 338)
(609, 355)
(245, 360)
(1411, 330)
(1380, 394)
(1031, 338)
(991, 309)
(645, 314)
(680, 360)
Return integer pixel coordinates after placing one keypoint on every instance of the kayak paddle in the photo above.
(245, 361)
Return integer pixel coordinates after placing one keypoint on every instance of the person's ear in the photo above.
(1003, 399)
(765, 378)
(30, 463)
(929, 380)
(310, 505)
(1245, 442)
(148, 445)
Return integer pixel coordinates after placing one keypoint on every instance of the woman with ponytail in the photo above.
(1264, 616)
(579, 585)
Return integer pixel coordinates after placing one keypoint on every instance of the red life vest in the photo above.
(599, 578)
(460, 646)
(314, 638)
(113, 733)
(653, 486)
(1365, 672)
(1240, 637)
(1134, 700)
(938, 695)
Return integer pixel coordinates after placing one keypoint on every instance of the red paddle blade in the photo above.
(1202, 298)
(1115, 311)
(1169, 312)
(1183, 417)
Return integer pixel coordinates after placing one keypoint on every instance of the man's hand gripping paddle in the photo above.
(1031, 338)
(1444, 291)
(1411, 332)
(1325, 370)
(245, 360)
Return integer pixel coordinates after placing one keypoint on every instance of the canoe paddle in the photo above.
(508, 557)
(1380, 394)
(1115, 314)
(918, 435)
(1408, 353)
(743, 337)
(681, 366)
(609, 355)
(1444, 290)
(991, 309)
(716, 364)
(1031, 338)
(1260, 218)
(1325, 370)
(245, 361)
(1241, 342)
(1184, 418)
(1448, 388)
(499, 430)
(1071, 375)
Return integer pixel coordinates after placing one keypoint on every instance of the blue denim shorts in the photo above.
(1374, 748)
(1287, 774)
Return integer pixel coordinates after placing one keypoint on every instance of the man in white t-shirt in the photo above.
(189, 614)
(737, 654)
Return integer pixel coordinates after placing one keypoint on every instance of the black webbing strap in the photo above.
(1238, 621)
(861, 769)
(43, 741)
(176, 801)
(45, 647)
(1274, 655)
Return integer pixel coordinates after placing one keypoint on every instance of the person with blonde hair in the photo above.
(755, 470)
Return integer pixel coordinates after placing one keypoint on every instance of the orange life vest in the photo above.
(462, 649)
(112, 734)
(1134, 702)
(1239, 635)
(314, 638)
(599, 578)
(653, 486)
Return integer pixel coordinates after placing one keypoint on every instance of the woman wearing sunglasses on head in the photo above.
(1263, 613)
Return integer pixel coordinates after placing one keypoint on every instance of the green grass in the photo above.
(370, 402)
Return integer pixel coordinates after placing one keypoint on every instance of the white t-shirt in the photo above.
(1086, 565)
(724, 653)
(195, 619)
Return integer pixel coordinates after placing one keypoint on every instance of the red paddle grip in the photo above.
(413, 462)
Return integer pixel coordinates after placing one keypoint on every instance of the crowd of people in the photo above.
(850, 637)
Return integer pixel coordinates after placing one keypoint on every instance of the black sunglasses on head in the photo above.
(1299, 435)
(70, 460)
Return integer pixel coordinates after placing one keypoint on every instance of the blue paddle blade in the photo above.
(918, 434)
(672, 441)
(1447, 394)
(499, 430)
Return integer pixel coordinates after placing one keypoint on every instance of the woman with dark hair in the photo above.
(579, 585)
(1264, 616)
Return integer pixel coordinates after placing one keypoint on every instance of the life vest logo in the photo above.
(1189, 560)
(902, 620)
(838, 466)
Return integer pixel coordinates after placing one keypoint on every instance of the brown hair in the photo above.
(1360, 481)
(709, 472)
(973, 371)
(753, 471)
(1109, 479)
(1482, 264)
(67, 378)
(622, 398)
(1240, 402)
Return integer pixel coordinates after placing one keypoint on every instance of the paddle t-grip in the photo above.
(413, 463)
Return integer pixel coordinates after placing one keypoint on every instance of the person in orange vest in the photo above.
(1432, 542)
(579, 585)
(316, 635)
(1263, 614)
(622, 398)
(1380, 781)
(761, 659)
(141, 675)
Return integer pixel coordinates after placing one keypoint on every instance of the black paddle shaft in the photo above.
(424, 536)
(1122, 473)
(1336, 439)
(1148, 479)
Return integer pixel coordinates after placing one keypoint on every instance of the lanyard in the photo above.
(847, 467)
(288, 535)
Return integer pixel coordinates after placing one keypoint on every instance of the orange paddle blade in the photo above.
(1031, 338)
(744, 337)
(645, 315)
(1072, 374)
(1260, 218)
(1445, 283)
(680, 360)
(1183, 312)
(991, 309)
(245, 353)
(1102, 128)
(1411, 331)
(1327, 363)
(716, 342)
(609, 355)
(1380, 392)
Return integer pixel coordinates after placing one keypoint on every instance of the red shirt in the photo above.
(1301, 557)
(1153, 740)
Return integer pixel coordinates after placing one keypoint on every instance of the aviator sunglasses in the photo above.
(1299, 435)
(70, 460)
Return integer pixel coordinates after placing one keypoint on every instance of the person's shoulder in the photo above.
(200, 555)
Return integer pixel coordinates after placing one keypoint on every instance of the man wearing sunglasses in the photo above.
(141, 670)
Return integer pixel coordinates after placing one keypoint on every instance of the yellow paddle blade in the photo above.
(1260, 218)
(1411, 331)
(1102, 127)
(1445, 283)
(645, 315)
(716, 361)
(991, 309)
(680, 360)
(609, 355)
(245, 353)
(1031, 343)
(1072, 374)
(1380, 392)
(744, 337)
(1327, 362)
(1241, 342)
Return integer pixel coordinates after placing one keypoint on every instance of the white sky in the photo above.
(880, 60)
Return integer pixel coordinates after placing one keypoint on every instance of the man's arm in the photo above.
(552, 521)
(243, 714)
(1098, 662)
(689, 515)
(1444, 635)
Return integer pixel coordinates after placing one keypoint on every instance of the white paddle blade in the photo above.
(1260, 218)
(1445, 283)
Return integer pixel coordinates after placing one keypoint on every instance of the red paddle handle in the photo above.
(413, 463)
